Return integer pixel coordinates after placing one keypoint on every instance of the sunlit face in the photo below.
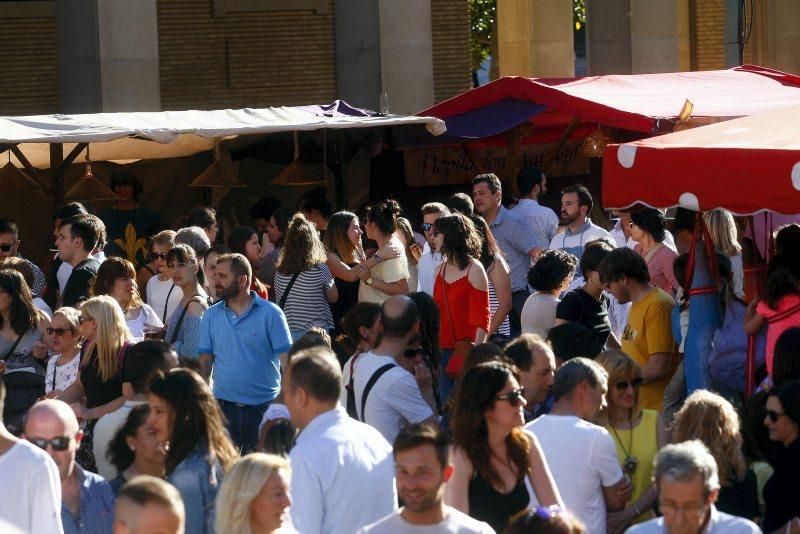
(146, 444)
(637, 234)
(160, 419)
(484, 199)
(538, 381)
(274, 233)
(183, 272)
(684, 505)
(624, 223)
(782, 429)
(268, 509)
(226, 286)
(619, 289)
(88, 326)
(252, 248)
(438, 240)
(504, 412)
(369, 229)
(159, 257)
(8, 246)
(429, 219)
(596, 400)
(354, 232)
(622, 394)
(210, 267)
(123, 289)
(420, 478)
(63, 338)
(47, 425)
(570, 209)
(66, 245)
(211, 232)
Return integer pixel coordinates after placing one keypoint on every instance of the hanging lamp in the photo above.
(595, 143)
(220, 173)
(298, 173)
(13, 180)
(89, 188)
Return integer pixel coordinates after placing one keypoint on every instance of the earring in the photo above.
(133, 449)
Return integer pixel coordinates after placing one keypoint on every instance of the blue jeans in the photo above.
(446, 384)
(243, 421)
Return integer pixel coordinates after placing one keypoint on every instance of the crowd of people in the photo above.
(495, 366)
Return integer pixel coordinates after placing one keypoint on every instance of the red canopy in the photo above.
(744, 165)
(646, 103)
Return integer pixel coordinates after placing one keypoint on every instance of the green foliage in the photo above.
(483, 23)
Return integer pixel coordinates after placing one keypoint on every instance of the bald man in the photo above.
(148, 505)
(87, 500)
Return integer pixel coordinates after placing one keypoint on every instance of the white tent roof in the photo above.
(125, 137)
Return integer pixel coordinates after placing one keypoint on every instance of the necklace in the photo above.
(630, 462)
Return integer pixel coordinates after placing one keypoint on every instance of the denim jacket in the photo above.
(198, 483)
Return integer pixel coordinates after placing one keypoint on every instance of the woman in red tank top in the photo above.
(461, 290)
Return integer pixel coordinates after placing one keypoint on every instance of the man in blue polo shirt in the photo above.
(243, 339)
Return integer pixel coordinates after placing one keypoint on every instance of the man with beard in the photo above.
(541, 220)
(537, 365)
(243, 339)
(422, 468)
(576, 203)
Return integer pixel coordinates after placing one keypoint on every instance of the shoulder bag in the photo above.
(461, 347)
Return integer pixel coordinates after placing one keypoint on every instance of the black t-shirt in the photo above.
(780, 491)
(741, 497)
(580, 307)
(77, 288)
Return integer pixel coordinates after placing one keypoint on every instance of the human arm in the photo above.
(456, 492)
(409, 399)
(657, 367)
(399, 287)
(478, 313)
(753, 321)
(617, 487)
(501, 281)
(87, 414)
(424, 378)
(328, 285)
(73, 393)
(540, 477)
(205, 347)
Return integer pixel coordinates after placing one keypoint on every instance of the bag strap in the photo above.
(166, 305)
(181, 317)
(446, 303)
(282, 301)
(14, 346)
(784, 314)
(372, 380)
(351, 390)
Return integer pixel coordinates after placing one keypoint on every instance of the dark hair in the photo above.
(112, 269)
(575, 371)
(572, 340)
(316, 199)
(264, 208)
(279, 438)
(483, 353)
(282, 217)
(428, 326)
(528, 178)
(70, 209)
(384, 214)
(786, 357)
(24, 267)
(755, 435)
(124, 176)
(787, 239)
(490, 180)
(651, 221)
(7, 226)
(789, 396)
(317, 371)
(419, 434)
(195, 417)
(435, 207)
(361, 314)
(461, 239)
(489, 249)
(201, 216)
(399, 325)
(23, 315)
(185, 254)
(541, 520)
(218, 250)
(240, 266)
(238, 239)
(782, 279)
(476, 392)
(2, 399)
(624, 262)
(594, 253)
(551, 270)
(584, 196)
(81, 226)
(684, 220)
(520, 351)
(145, 361)
(118, 453)
(460, 203)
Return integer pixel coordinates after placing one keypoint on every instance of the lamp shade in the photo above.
(90, 188)
(14, 181)
(218, 174)
(594, 144)
(298, 173)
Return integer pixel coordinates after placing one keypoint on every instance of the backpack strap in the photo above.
(372, 380)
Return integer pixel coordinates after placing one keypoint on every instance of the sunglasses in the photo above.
(83, 318)
(59, 331)
(156, 255)
(427, 227)
(514, 397)
(774, 416)
(60, 443)
(5, 247)
(412, 353)
(623, 386)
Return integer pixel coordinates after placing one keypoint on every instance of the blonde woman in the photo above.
(254, 497)
(713, 420)
(64, 339)
(638, 435)
(117, 277)
(106, 337)
(724, 233)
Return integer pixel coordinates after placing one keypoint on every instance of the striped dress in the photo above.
(306, 304)
(505, 328)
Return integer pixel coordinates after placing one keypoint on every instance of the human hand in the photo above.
(416, 251)
(625, 490)
(81, 411)
(422, 374)
(39, 350)
(616, 522)
(266, 246)
(53, 394)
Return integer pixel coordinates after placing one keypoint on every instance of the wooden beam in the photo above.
(32, 171)
(56, 185)
(59, 169)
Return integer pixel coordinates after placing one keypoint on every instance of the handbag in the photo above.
(461, 347)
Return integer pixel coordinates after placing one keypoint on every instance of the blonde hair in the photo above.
(112, 332)
(713, 420)
(242, 483)
(72, 316)
(722, 227)
(302, 248)
(165, 238)
(619, 368)
(336, 239)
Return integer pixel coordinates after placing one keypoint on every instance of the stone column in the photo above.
(608, 37)
(778, 36)
(108, 55)
(660, 37)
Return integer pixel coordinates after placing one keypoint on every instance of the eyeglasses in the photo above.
(623, 385)
(774, 416)
(6, 247)
(156, 255)
(83, 318)
(514, 397)
(59, 331)
(412, 353)
(426, 227)
(60, 443)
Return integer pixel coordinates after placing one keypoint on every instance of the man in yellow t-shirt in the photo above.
(647, 338)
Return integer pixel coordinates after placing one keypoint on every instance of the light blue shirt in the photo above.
(245, 347)
(516, 241)
(198, 486)
(97, 506)
(720, 523)
(541, 220)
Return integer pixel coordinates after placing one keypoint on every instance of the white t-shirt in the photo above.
(157, 292)
(104, 431)
(60, 377)
(583, 459)
(394, 400)
(455, 522)
(145, 315)
(426, 269)
(30, 495)
(41, 305)
(539, 314)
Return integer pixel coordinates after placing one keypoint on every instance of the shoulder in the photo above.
(653, 526)
(195, 308)
(465, 523)
(736, 525)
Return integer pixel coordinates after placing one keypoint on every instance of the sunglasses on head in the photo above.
(623, 385)
(156, 255)
(774, 416)
(83, 318)
(5, 247)
(514, 397)
(427, 227)
(58, 331)
(60, 443)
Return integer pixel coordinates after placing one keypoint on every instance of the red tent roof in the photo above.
(646, 103)
(744, 165)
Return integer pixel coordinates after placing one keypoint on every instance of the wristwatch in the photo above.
(377, 257)
(369, 281)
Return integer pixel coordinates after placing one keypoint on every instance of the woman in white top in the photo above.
(162, 294)
(64, 339)
(549, 277)
(412, 248)
(389, 277)
(116, 277)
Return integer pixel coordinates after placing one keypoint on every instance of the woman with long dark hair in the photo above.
(276, 233)
(134, 449)
(460, 289)
(491, 453)
(187, 420)
(244, 240)
(303, 283)
(117, 277)
(649, 229)
(499, 275)
(183, 328)
(388, 277)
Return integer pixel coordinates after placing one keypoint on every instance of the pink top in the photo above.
(660, 267)
(776, 328)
